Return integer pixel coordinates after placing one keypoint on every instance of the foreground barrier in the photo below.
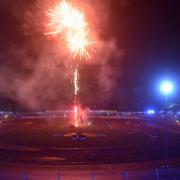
(156, 174)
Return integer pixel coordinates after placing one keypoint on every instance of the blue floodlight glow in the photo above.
(167, 87)
(150, 111)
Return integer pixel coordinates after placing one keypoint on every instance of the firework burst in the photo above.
(70, 23)
(65, 18)
(79, 45)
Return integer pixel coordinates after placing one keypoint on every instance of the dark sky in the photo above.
(148, 31)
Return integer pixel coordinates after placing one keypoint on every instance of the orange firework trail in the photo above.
(76, 89)
(70, 23)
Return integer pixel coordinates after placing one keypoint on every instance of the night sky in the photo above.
(147, 31)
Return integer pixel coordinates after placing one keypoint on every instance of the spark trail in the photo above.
(76, 89)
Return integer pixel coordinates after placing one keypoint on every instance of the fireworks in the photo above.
(70, 23)
(78, 45)
(66, 18)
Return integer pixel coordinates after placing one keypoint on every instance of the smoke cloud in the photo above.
(36, 70)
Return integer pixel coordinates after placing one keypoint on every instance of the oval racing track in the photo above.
(107, 141)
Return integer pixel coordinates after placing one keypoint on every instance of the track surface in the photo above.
(49, 141)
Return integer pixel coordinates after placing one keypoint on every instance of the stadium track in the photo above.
(109, 141)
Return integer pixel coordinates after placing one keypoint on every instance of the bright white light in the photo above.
(6, 116)
(150, 111)
(167, 87)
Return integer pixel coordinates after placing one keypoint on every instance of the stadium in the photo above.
(106, 138)
(89, 90)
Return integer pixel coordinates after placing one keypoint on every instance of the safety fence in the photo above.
(156, 174)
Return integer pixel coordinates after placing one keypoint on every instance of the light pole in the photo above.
(166, 88)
